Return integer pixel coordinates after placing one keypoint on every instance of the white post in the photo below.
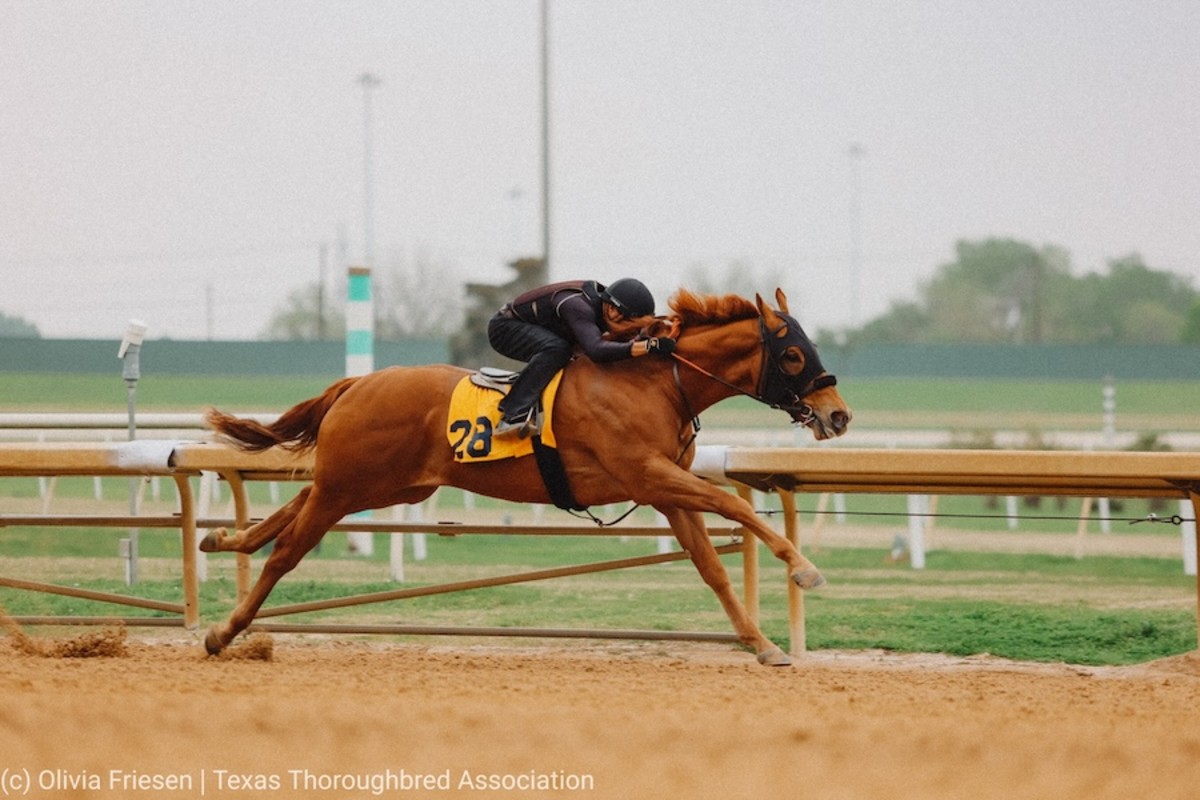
(360, 360)
(429, 508)
(1010, 505)
(663, 544)
(1110, 430)
(396, 540)
(1188, 529)
(131, 371)
(918, 506)
(43, 482)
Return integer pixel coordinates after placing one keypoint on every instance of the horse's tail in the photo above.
(296, 429)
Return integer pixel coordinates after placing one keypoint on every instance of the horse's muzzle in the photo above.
(823, 427)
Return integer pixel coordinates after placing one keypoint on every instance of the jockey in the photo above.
(541, 327)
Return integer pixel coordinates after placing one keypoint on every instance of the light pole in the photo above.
(856, 152)
(546, 136)
(368, 82)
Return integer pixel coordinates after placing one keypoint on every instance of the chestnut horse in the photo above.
(623, 432)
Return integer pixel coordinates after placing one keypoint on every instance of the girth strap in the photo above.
(554, 475)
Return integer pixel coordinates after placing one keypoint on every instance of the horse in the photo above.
(624, 432)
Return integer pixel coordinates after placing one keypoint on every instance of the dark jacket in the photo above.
(574, 311)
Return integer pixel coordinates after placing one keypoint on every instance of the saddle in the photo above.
(494, 378)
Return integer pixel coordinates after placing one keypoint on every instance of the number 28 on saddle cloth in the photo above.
(475, 413)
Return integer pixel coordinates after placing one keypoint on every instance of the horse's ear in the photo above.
(781, 300)
(766, 312)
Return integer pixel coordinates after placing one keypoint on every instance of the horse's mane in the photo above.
(699, 309)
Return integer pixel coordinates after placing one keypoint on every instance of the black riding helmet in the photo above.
(630, 296)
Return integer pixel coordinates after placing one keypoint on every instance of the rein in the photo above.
(689, 363)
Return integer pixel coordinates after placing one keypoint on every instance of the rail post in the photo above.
(797, 633)
(749, 561)
(1195, 498)
(187, 540)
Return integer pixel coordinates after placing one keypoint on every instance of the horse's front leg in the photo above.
(689, 529)
(665, 483)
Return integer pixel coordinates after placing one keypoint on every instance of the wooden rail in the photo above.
(182, 461)
(1026, 472)
(1045, 472)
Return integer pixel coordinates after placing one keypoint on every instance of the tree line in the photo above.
(995, 290)
(1003, 290)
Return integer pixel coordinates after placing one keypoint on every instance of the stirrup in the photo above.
(531, 425)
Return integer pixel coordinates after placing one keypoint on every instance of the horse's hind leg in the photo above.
(220, 540)
(689, 529)
(296, 538)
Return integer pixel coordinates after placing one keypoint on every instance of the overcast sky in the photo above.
(183, 162)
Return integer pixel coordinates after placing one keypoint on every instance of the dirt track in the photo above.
(636, 720)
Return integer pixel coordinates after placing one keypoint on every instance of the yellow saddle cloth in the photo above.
(474, 414)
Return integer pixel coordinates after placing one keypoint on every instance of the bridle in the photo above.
(774, 385)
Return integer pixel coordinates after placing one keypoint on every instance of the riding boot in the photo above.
(520, 409)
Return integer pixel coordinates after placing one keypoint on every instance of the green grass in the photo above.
(1022, 632)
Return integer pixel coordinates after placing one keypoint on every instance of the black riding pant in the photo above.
(544, 351)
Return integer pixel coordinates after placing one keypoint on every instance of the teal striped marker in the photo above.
(360, 359)
(360, 324)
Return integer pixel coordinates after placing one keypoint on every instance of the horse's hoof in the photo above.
(213, 643)
(810, 578)
(774, 657)
(211, 543)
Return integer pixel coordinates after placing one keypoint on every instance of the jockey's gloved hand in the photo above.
(662, 345)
